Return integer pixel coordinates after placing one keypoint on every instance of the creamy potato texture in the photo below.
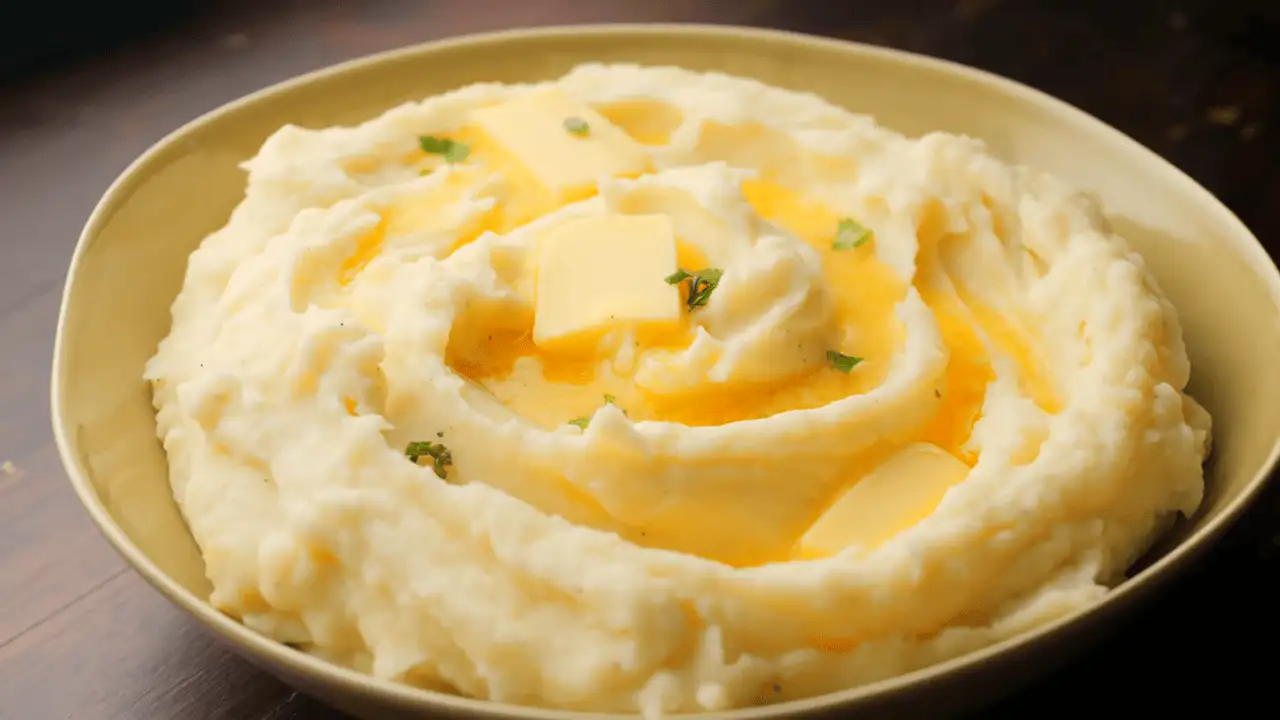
(719, 395)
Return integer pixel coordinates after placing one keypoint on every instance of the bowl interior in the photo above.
(132, 256)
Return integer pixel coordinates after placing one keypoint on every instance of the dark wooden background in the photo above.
(83, 637)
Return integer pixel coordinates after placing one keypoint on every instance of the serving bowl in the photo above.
(131, 257)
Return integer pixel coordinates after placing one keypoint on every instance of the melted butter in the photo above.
(496, 351)
(530, 393)
(864, 293)
(427, 210)
(586, 509)
(964, 323)
(551, 389)
(487, 346)
(648, 122)
(968, 369)
(367, 248)
(495, 348)
(683, 525)
(690, 258)
(1017, 343)
(522, 198)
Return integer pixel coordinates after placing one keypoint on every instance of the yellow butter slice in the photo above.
(598, 273)
(898, 493)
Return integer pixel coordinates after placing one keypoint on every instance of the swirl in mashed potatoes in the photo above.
(713, 394)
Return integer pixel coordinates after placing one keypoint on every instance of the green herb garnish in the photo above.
(452, 150)
(840, 361)
(611, 400)
(585, 420)
(849, 235)
(440, 455)
(577, 126)
(701, 284)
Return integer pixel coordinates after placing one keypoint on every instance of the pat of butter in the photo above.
(532, 129)
(898, 493)
(596, 273)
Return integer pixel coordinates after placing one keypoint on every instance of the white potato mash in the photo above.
(646, 389)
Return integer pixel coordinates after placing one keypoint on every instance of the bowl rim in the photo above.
(327, 674)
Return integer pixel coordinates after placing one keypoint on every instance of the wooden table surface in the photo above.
(83, 637)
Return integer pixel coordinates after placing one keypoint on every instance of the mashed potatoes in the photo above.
(651, 390)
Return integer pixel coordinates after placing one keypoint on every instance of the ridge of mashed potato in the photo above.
(704, 515)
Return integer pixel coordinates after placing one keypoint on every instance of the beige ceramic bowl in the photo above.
(130, 262)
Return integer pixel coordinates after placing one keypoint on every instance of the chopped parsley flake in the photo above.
(452, 150)
(577, 126)
(439, 454)
(840, 361)
(585, 420)
(849, 235)
(701, 284)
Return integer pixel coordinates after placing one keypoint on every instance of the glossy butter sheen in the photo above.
(682, 515)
